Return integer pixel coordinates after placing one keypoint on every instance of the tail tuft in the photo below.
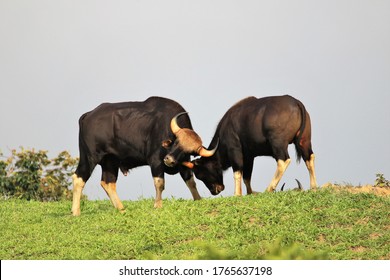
(297, 139)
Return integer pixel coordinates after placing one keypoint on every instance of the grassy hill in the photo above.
(326, 224)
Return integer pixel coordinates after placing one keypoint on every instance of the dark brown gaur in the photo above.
(257, 127)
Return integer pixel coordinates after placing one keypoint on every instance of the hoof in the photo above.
(76, 213)
(158, 204)
(269, 189)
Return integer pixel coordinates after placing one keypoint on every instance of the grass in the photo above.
(326, 224)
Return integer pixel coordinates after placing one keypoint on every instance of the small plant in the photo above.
(381, 181)
(30, 174)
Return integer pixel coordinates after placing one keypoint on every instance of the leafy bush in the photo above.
(30, 174)
(381, 181)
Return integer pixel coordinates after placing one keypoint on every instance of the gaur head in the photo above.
(210, 172)
(187, 142)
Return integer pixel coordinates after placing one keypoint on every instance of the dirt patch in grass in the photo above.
(381, 191)
(375, 235)
(358, 249)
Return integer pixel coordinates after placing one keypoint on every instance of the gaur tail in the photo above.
(84, 169)
(297, 139)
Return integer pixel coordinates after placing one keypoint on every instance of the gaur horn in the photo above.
(174, 126)
(300, 188)
(203, 152)
(188, 164)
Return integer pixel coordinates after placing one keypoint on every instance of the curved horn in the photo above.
(174, 126)
(188, 164)
(299, 185)
(207, 153)
(283, 187)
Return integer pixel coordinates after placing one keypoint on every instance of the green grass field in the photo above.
(286, 225)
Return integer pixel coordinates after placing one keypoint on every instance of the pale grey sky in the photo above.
(59, 59)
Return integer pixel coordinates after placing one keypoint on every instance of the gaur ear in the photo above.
(167, 143)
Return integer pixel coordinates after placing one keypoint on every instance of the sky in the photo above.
(59, 59)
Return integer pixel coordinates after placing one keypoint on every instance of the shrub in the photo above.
(381, 181)
(30, 174)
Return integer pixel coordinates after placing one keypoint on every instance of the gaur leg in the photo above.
(247, 175)
(81, 176)
(78, 186)
(305, 147)
(283, 160)
(308, 157)
(110, 189)
(188, 177)
(236, 158)
(310, 167)
(281, 168)
(110, 168)
(159, 184)
(237, 182)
